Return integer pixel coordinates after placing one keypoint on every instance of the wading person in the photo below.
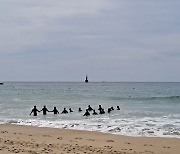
(34, 111)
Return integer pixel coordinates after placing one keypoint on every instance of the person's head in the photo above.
(54, 107)
(34, 106)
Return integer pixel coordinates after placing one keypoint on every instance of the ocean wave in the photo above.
(146, 98)
(149, 127)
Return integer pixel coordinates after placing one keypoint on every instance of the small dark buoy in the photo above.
(86, 80)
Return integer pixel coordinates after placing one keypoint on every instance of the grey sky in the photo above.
(110, 40)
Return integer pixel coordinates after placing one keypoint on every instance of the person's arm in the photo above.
(31, 112)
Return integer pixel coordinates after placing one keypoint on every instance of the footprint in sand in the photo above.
(109, 141)
(78, 138)
(149, 151)
(90, 139)
(3, 132)
(166, 147)
(148, 145)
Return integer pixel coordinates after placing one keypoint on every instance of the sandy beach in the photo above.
(34, 140)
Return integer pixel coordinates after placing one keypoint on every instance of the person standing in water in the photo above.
(64, 111)
(86, 113)
(94, 112)
(34, 111)
(80, 109)
(70, 110)
(90, 108)
(55, 111)
(45, 110)
(118, 108)
(100, 108)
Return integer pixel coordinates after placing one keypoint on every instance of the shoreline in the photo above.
(39, 140)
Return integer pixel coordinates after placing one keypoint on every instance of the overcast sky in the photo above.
(110, 40)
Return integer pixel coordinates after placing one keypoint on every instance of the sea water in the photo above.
(147, 109)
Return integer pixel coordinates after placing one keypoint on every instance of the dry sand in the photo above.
(34, 140)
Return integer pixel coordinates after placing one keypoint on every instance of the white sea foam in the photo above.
(129, 127)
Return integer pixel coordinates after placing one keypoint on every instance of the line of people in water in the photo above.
(34, 111)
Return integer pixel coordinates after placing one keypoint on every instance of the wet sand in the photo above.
(34, 140)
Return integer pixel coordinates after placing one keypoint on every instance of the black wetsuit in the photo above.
(64, 111)
(34, 111)
(45, 110)
(86, 113)
(55, 111)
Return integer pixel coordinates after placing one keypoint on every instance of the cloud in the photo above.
(26, 23)
(119, 39)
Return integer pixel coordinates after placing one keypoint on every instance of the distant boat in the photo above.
(86, 80)
(1, 83)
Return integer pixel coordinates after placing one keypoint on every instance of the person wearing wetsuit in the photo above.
(86, 113)
(55, 111)
(94, 112)
(34, 111)
(100, 108)
(101, 111)
(80, 110)
(109, 110)
(64, 111)
(45, 110)
(118, 108)
(70, 110)
(90, 108)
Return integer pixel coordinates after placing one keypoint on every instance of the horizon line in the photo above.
(96, 81)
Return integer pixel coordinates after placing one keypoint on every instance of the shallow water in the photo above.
(147, 109)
